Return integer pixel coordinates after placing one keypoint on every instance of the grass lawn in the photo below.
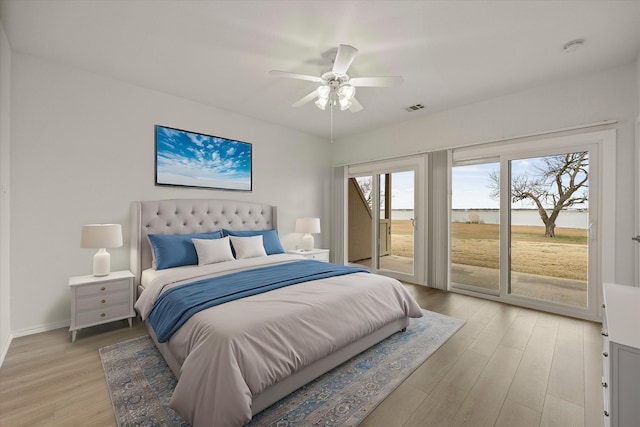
(564, 256)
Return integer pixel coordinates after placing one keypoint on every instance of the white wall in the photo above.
(82, 149)
(610, 94)
(5, 140)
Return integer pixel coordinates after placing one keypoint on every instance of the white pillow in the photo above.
(248, 247)
(211, 251)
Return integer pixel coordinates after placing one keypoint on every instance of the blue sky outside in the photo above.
(194, 158)
(471, 184)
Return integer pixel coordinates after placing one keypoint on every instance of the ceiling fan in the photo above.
(336, 87)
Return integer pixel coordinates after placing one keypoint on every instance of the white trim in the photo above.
(491, 141)
(42, 328)
(5, 349)
(514, 148)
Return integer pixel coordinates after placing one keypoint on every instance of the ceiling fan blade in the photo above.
(344, 58)
(306, 98)
(376, 81)
(355, 106)
(296, 76)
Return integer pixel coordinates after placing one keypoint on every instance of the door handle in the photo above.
(637, 239)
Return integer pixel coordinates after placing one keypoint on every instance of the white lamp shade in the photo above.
(101, 236)
(308, 225)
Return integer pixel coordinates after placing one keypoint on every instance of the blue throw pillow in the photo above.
(175, 250)
(270, 239)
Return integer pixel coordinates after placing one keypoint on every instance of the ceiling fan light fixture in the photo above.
(347, 91)
(344, 104)
(321, 103)
(335, 87)
(324, 91)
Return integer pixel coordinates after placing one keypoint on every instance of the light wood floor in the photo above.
(507, 366)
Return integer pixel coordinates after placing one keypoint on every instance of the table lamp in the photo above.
(101, 237)
(307, 226)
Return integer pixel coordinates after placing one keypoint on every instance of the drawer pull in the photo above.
(103, 301)
(102, 315)
(606, 413)
(605, 354)
(604, 334)
(604, 384)
(102, 288)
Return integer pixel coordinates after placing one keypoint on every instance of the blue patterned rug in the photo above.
(141, 383)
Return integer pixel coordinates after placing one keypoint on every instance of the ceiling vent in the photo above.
(414, 107)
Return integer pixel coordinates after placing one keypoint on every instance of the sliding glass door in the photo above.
(396, 238)
(383, 217)
(475, 226)
(549, 223)
(523, 223)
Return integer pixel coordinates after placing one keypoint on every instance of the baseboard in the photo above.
(5, 349)
(30, 331)
(41, 328)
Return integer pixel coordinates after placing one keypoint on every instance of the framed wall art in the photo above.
(191, 159)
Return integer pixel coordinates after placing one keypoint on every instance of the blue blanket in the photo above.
(175, 306)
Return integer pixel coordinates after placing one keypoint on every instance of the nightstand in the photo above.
(317, 254)
(96, 300)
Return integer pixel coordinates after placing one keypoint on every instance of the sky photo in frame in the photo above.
(193, 159)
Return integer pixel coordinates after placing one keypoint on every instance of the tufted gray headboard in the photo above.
(181, 216)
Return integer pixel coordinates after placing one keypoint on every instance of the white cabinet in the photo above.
(621, 355)
(100, 299)
(317, 254)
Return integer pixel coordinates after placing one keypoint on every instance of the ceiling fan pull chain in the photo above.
(331, 113)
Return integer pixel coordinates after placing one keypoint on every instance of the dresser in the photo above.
(317, 254)
(101, 299)
(621, 355)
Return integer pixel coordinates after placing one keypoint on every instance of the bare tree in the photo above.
(367, 189)
(366, 185)
(559, 183)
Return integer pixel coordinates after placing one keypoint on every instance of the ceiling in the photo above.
(219, 53)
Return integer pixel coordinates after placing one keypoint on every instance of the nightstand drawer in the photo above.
(107, 300)
(319, 257)
(104, 288)
(100, 316)
(316, 254)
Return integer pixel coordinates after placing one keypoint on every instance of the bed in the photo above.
(235, 359)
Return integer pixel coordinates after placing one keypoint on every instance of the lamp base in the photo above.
(307, 242)
(101, 263)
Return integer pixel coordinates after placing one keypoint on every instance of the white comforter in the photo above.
(234, 351)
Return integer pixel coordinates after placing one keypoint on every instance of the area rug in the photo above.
(140, 382)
